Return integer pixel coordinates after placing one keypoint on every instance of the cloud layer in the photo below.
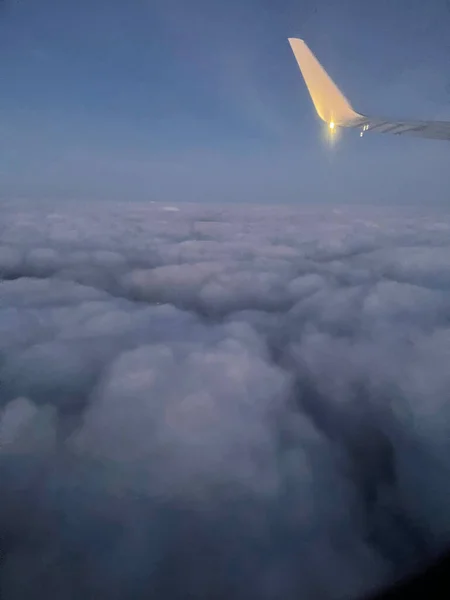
(216, 402)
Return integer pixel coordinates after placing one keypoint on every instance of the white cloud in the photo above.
(266, 384)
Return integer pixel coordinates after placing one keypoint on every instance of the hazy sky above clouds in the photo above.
(202, 100)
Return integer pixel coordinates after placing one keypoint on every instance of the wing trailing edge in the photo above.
(333, 107)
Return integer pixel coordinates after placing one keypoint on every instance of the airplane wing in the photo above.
(334, 108)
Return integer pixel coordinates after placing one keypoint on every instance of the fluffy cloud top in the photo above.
(246, 402)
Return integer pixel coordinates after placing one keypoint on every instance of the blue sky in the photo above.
(202, 100)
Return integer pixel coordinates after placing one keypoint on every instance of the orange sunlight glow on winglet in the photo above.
(334, 108)
(330, 103)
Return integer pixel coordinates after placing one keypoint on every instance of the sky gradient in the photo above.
(202, 100)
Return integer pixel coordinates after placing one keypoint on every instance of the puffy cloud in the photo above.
(221, 401)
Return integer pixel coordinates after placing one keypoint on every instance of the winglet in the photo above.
(330, 103)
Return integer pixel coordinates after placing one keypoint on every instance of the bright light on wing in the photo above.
(334, 108)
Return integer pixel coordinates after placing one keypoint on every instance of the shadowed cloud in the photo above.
(218, 401)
